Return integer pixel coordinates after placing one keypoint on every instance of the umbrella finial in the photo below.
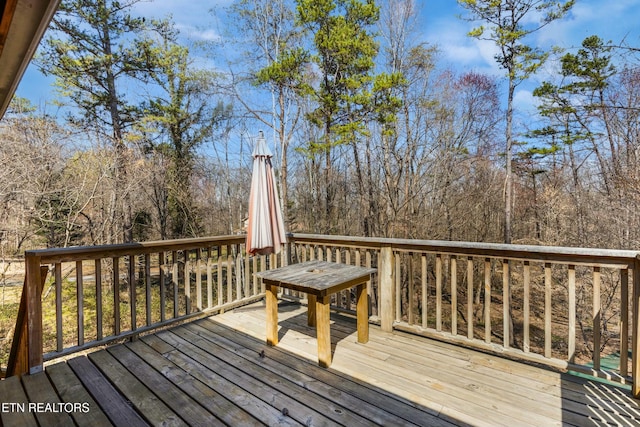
(261, 148)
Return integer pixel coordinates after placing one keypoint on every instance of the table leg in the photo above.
(271, 298)
(323, 331)
(362, 313)
(311, 310)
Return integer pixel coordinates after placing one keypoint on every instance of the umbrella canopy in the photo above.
(265, 230)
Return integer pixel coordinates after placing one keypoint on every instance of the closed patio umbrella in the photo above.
(265, 229)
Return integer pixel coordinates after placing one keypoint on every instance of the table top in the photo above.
(317, 277)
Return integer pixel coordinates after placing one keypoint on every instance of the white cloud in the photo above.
(183, 12)
(524, 101)
(611, 20)
(199, 34)
(193, 19)
(488, 52)
(450, 36)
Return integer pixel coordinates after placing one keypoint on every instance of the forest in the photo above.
(373, 134)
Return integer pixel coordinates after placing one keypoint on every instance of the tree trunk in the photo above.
(509, 196)
(122, 201)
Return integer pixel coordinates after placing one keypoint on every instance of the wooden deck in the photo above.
(218, 371)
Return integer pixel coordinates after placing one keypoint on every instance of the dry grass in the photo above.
(9, 305)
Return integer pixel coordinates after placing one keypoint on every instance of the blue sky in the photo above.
(438, 24)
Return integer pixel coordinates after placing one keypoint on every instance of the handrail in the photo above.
(576, 255)
(75, 253)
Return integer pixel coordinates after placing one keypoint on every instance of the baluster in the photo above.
(238, 274)
(438, 292)
(398, 283)
(147, 288)
(98, 278)
(263, 267)
(254, 263)
(367, 256)
(596, 318)
(470, 297)
(347, 292)
(572, 314)
(506, 304)
(175, 280)
(199, 279)
(547, 310)
(624, 322)
(247, 276)
(219, 275)
(340, 296)
(209, 278)
(132, 291)
(187, 281)
(59, 329)
(116, 296)
(487, 300)
(425, 289)
(411, 291)
(161, 267)
(453, 274)
(229, 275)
(80, 301)
(526, 273)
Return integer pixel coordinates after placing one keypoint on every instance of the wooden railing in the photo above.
(569, 308)
(100, 294)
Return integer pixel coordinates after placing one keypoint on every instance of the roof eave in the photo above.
(28, 23)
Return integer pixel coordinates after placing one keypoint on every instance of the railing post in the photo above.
(387, 289)
(34, 312)
(635, 352)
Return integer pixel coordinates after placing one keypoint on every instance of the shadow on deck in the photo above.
(218, 371)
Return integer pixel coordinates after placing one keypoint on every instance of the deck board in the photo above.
(12, 393)
(148, 405)
(115, 406)
(219, 371)
(70, 389)
(39, 389)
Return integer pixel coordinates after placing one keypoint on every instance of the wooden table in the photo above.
(318, 279)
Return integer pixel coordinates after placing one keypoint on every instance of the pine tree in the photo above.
(91, 52)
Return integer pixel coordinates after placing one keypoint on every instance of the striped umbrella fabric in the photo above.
(265, 230)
